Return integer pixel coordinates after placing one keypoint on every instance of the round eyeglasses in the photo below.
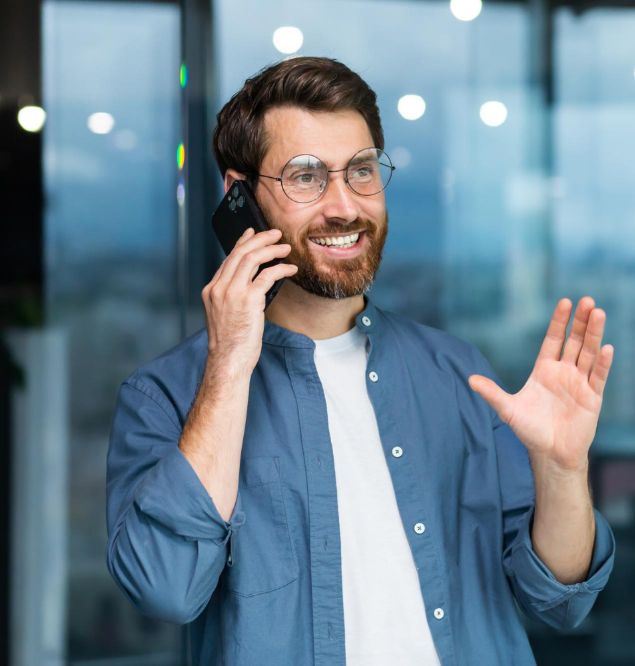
(304, 178)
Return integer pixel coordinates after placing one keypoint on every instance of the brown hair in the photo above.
(316, 84)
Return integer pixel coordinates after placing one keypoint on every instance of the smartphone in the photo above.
(235, 214)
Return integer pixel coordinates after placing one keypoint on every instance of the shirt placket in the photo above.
(382, 385)
(324, 534)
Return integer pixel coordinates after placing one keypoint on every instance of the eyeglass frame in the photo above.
(279, 178)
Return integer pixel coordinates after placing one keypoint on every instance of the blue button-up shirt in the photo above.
(265, 588)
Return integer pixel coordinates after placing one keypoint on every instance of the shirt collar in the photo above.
(366, 321)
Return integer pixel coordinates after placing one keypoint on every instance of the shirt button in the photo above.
(438, 613)
(366, 321)
(397, 451)
(373, 376)
(420, 528)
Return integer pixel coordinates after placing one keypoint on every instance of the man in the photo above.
(324, 483)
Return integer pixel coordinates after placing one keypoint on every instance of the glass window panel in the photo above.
(594, 203)
(491, 225)
(110, 265)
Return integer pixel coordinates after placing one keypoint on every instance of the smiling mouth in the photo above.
(348, 240)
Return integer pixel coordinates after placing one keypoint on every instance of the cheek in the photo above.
(375, 210)
(294, 226)
(280, 215)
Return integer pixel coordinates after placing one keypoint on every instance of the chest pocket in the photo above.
(263, 557)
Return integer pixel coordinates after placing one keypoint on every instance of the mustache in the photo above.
(342, 229)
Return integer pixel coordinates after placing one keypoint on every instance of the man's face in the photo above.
(334, 137)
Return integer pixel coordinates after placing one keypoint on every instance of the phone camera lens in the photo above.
(241, 201)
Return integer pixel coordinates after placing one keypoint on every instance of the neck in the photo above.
(314, 316)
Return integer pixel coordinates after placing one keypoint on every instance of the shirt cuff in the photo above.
(538, 583)
(172, 494)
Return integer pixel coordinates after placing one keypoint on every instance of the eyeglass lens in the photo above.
(305, 177)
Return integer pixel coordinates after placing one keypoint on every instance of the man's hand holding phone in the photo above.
(234, 310)
(235, 302)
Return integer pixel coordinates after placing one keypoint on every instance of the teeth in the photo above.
(340, 241)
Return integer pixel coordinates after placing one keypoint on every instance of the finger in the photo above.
(592, 341)
(247, 234)
(578, 329)
(493, 394)
(270, 275)
(251, 262)
(600, 373)
(554, 339)
(261, 239)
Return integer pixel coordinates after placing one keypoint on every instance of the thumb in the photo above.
(493, 394)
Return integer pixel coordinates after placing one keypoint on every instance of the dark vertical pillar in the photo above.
(200, 252)
(20, 160)
(541, 138)
(21, 258)
(5, 496)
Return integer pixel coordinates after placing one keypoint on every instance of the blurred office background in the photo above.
(512, 127)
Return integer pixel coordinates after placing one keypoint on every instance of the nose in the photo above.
(339, 201)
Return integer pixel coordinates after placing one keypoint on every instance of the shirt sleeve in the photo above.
(167, 542)
(536, 589)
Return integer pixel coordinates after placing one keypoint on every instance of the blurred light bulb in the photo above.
(466, 10)
(180, 194)
(100, 123)
(411, 107)
(31, 118)
(493, 113)
(288, 39)
(125, 139)
(401, 157)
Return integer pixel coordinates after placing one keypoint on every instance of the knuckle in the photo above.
(248, 257)
(214, 292)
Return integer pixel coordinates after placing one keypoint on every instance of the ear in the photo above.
(230, 176)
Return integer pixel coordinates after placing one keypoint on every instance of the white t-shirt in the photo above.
(384, 613)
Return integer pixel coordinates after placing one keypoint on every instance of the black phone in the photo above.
(235, 214)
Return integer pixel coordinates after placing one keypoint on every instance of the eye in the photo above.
(363, 171)
(304, 178)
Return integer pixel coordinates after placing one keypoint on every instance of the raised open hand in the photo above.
(556, 412)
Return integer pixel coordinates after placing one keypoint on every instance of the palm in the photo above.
(557, 410)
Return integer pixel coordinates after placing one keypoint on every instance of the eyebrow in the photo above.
(357, 160)
(366, 158)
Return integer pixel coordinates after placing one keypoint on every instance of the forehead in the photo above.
(333, 136)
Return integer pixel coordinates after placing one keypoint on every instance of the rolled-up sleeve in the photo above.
(538, 591)
(167, 542)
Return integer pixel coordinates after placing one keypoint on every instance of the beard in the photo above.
(333, 277)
